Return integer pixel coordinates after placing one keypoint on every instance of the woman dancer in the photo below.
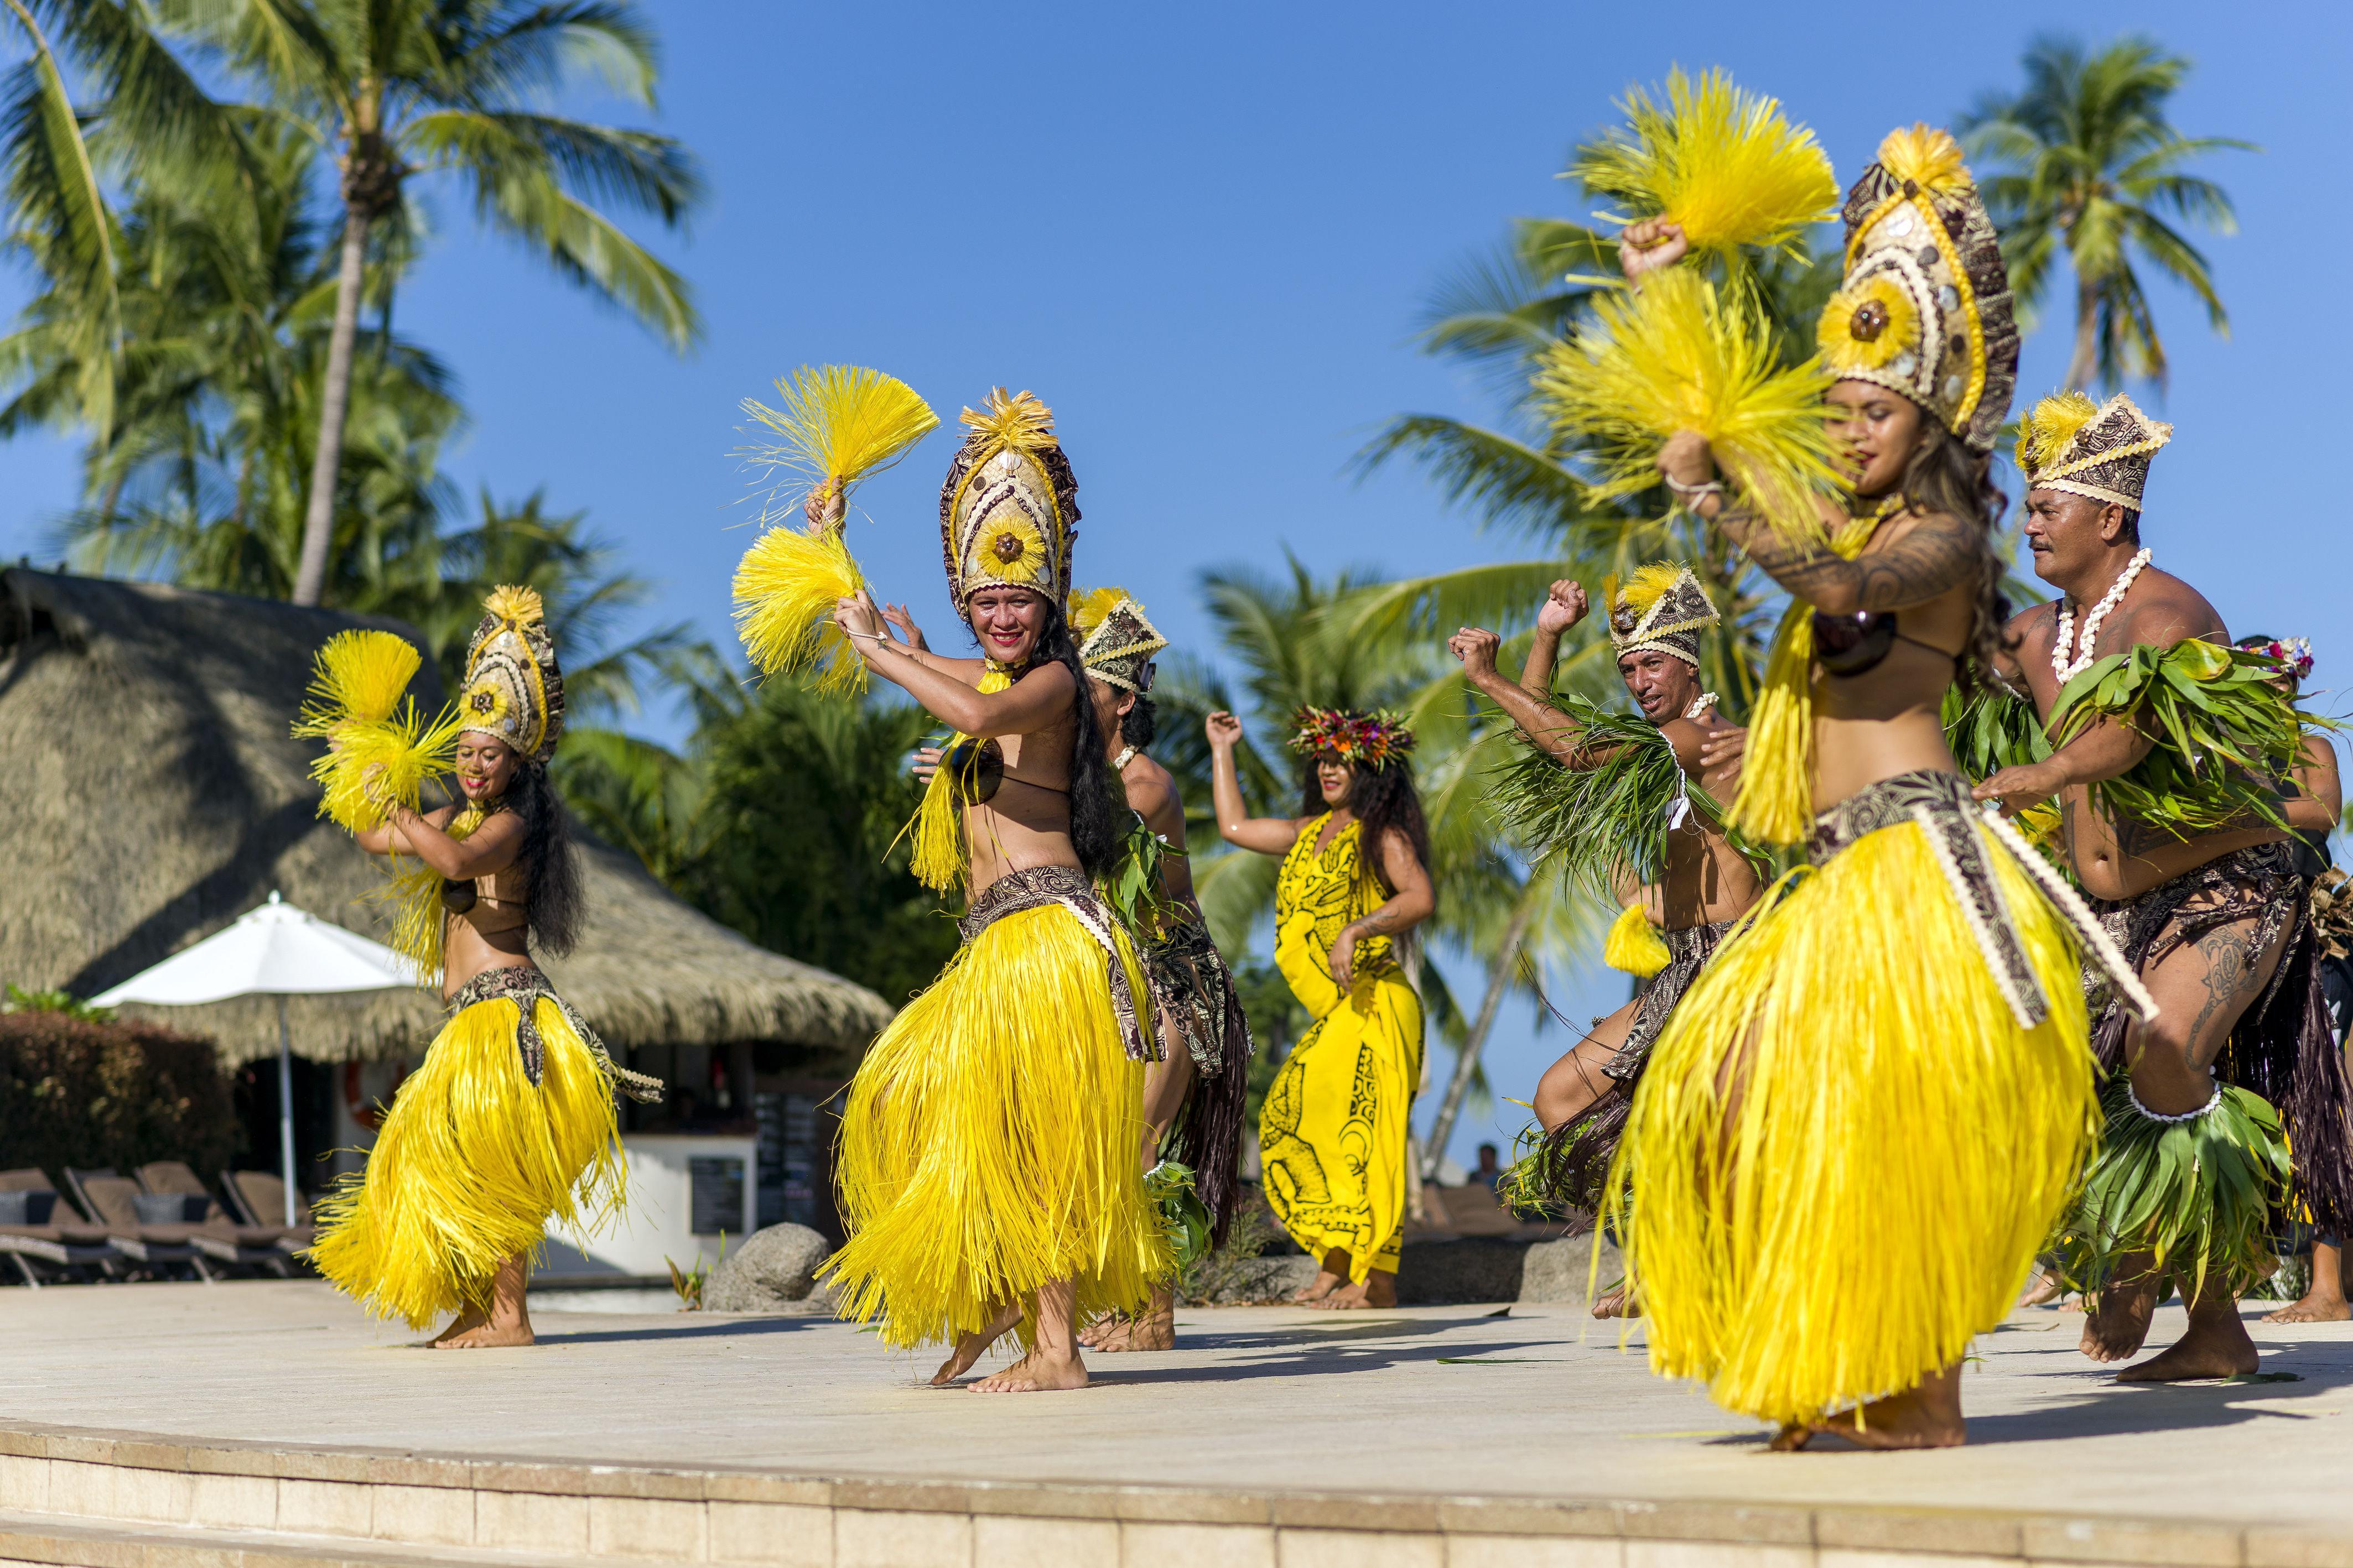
(988, 1168)
(1861, 1122)
(509, 1123)
(1354, 878)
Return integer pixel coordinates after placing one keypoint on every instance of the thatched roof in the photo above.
(150, 795)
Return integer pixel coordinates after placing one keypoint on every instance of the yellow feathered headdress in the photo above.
(1117, 642)
(1663, 607)
(2101, 451)
(1009, 506)
(514, 689)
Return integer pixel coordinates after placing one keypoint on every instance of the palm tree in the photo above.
(405, 88)
(2085, 161)
(146, 117)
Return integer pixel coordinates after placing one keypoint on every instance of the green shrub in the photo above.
(81, 1091)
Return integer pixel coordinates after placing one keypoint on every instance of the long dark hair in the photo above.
(1945, 476)
(552, 903)
(1139, 723)
(1383, 798)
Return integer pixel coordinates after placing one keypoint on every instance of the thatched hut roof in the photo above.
(150, 795)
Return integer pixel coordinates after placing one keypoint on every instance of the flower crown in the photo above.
(1374, 740)
(2292, 653)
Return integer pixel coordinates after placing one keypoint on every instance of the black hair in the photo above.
(553, 901)
(1945, 476)
(1384, 799)
(1139, 723)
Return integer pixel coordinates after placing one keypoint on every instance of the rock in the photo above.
(774, 1270)
(1450, 1273)
(1561, 1270)
(1253, 1282)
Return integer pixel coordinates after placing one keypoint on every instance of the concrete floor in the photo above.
(1456, 1400)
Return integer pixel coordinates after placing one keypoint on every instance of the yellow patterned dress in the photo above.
(1331, 1138)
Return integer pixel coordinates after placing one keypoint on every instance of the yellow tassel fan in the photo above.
(785, 587)
(838, 425)
(1724, 165)
(1634, 946)
(357, 703)
(1676, 355)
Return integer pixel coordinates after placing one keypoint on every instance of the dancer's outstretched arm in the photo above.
(1266, 834)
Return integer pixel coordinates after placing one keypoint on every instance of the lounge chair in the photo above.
(110, 1199)
(218, 1235)
(259, 1197)
(59, 1241)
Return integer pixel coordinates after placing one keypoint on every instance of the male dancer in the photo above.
(1583, 1098)
(2206, 919)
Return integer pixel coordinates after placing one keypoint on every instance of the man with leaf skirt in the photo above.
(2162, 748)
(1606, 799)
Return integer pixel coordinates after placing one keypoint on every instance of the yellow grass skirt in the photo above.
(1900, 1147)
(471, 1165)
(1332, 1135)
(989, 1142)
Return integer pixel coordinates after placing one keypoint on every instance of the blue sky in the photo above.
(1204, 236)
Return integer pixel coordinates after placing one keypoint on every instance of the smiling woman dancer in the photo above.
(509, 1123)
(1865, 1116)
(1354, 878)
(988, 1168)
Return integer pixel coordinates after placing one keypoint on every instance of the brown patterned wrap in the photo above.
(1573, 1159)
(1194, 991)
(1034, 888)
(2283, 1047)
(524, 985)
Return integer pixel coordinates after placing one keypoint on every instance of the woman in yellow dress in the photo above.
(1356, 876)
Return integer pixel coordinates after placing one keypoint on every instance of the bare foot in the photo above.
(2115, 1322)
(1378, 1290)
(1323, 1285)
(1155, 1330)
(485, 1334)
(1925, 1417)
(465, 1323)
(2042, 1290)
(1617, 1302)
(2315, 1307)
(1036, 1372)
(1110, 1326)
(2216, 1345)
(970, 1348)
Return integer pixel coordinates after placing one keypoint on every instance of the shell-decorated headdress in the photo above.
(1661, 608)
(1009, 507)
(514, 689)
(1116, 641)
(2101, 451)
(1372, 739)
(1925, 309)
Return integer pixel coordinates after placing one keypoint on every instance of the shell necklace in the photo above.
(2068, 668)
(1700, 704)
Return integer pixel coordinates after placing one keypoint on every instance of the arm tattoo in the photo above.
(1379, 920)
(1937, 556)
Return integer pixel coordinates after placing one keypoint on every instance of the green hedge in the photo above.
(77, 1091)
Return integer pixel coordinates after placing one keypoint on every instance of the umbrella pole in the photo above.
(286, 1108)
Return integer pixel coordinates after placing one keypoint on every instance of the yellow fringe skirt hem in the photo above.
(991, 1141)
(1848, 1148)
(471, 1165)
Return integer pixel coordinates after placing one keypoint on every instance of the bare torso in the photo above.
(2121, 858)
(1890, 721)
(1707, 881)
(490, 935)
(1027, 823)
(1152, 793)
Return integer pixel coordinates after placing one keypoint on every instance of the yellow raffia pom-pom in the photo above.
(411, 747)
(1863, 327)
(838, 425)
(1726, 166)
(1018, 421)
(1089, 606)
(359, 677)
(1676, 355)
(1927, 156)
(786, 586)
(1634, 946)
(2045, 433)
(518, 606)
(1649, 584)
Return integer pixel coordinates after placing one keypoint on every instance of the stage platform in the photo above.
(253, 1424)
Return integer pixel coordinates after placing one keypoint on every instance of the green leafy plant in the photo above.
(690, 1284)
(16, 999)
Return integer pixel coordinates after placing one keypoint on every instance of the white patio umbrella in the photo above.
(274, 950)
